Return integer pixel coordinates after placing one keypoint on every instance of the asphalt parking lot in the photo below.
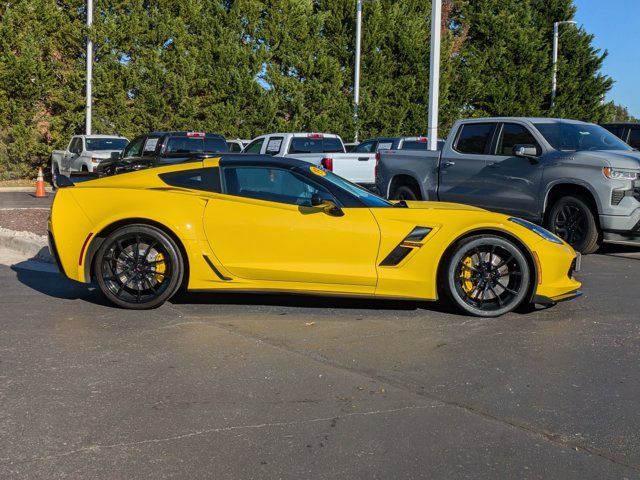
(242, 387)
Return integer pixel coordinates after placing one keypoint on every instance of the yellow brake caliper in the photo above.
(467, 284)
(160, 267)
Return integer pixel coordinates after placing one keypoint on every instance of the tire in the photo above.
(84, 168)
(405, 192)
(572, 219)
(486, 276)
(55, 172)
(139, 278)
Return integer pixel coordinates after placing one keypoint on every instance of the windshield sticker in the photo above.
(317, 171)
(150, 145)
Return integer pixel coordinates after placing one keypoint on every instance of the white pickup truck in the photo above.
(85, 152)
(320, 149)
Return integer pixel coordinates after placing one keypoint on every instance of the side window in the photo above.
(76, 146)
(514, 134)
(271, 184)
(474, 138)
(150, 145)
(134, 149)
(274, 145)
(207, 179)
(255, 146)
(234, 147)
(365, 147)
(634, 138)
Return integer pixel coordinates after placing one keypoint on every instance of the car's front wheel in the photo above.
(139, 267)
(486, 276)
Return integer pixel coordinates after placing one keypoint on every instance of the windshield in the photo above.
(96, 144)
(365, 196)
(577, 137)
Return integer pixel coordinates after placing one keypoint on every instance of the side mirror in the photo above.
(527, 151)
(329, 207)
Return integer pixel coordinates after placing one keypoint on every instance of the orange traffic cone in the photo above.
(40, 193)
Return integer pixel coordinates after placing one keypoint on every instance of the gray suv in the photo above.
(575, 178)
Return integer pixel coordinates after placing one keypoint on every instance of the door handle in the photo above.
(448, 163)
(363, 159)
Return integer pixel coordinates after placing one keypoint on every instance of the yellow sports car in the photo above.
(260, 224)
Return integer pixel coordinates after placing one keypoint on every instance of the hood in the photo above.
(415, 205)
(614, 158)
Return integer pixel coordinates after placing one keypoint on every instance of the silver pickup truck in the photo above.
(575, 178)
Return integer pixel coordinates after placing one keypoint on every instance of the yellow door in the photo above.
(267, 230)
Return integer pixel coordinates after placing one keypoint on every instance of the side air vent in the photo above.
(409, 242)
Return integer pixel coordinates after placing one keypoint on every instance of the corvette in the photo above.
(260, 224)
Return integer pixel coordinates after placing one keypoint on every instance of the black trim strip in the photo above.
(215, 270)
(407, 244)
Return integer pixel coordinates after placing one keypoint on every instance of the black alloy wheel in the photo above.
(487, 276)
(572, 219)
(139, 267)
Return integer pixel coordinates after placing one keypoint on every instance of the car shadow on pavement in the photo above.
(631, 252)
(302, 300)
(51, 282)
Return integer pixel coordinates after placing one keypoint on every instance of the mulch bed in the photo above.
(32, 220)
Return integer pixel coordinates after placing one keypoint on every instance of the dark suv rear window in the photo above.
(474, 138)
(196, 145)
(315, 145)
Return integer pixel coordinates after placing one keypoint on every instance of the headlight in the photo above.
(537, 229)
(619, 174)
(95, 160)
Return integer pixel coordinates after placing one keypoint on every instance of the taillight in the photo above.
(315, 135)
(196, 134)
(421, 140)
(327, 164)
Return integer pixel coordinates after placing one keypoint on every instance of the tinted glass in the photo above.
(234, 147)
(215, 145)
(474, 138)
(95, 144)
(576, 137)
(207, 179)
(414, 145)
(634, 138)
(271, 184)
(617, 131)
(365, 147)
(76, 146)
(514, 134)
(255, 146)
(134, 149)
(315, 145)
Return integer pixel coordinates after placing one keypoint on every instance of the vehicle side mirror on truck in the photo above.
(524, 150)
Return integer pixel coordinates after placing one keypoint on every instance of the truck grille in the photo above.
(617, 196)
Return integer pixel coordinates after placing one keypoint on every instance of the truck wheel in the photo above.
(572, 219)
(55, 173)
(486, 276)
(139, 267)
(405, 192)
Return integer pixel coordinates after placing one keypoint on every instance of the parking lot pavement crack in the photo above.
(231, 428)
(552, 438)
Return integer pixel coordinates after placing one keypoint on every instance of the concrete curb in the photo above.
(24, 189)
(27, 244)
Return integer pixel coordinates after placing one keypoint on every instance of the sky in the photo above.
(616, 26)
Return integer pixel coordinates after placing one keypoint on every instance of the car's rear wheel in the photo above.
(139, 267)
(572, 219)
(486, 276)
(404, 192)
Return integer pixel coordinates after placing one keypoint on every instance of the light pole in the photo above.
(356, 79)
(89, 67)
(434, 75)
(554, 82)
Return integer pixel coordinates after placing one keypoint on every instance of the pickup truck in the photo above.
(392, 143)
(163, 148)
(84, 153)
(576, 179)
(320, 149)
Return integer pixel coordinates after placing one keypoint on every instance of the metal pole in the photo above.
(434, 75)
(356, 80)
(89, 79)
(555, 63)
